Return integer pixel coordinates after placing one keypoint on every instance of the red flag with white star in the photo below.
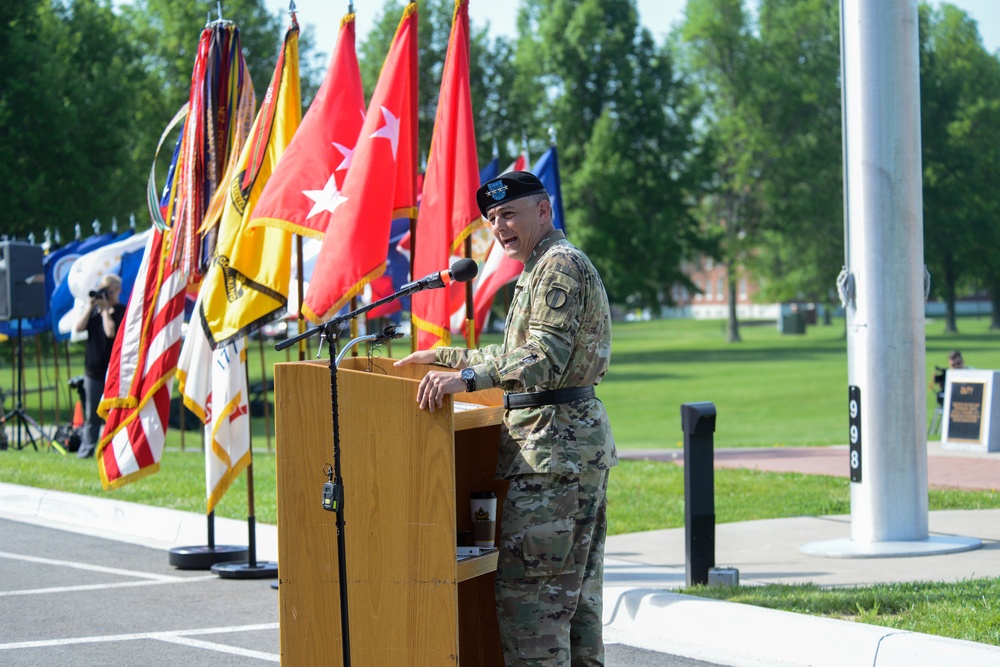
(448, 209)
(380, 185)
(303, 192)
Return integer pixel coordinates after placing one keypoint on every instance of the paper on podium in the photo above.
(471, 552)
(462, 406)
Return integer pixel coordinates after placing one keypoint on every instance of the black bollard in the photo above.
(698, 424)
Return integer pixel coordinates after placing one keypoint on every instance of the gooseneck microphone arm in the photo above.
(463, 270)
(376, 338)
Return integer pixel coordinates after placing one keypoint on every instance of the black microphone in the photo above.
(386, 334)
(461, 271)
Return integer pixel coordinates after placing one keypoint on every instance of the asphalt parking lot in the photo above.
(79, 601)
(73, 600)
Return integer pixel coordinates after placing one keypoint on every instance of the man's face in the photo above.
(957, 362)
(519, 225)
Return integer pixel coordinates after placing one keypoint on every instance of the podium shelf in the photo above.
(487, 415)
(476, 566)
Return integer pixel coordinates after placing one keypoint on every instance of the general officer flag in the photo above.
(380, 182)
(305, 190)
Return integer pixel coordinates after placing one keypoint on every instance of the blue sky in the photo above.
(323, 16)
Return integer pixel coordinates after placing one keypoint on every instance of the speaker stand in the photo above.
(24, 421)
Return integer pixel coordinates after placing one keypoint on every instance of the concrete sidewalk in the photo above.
(642, 568)
(770, 551)
(946, 468)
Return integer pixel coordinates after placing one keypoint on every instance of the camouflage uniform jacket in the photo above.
(558, 335)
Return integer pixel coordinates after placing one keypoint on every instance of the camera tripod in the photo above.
(23, 421)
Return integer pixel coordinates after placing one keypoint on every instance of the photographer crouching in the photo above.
(100, 320)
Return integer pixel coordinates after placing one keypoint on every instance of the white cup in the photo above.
(484, 518)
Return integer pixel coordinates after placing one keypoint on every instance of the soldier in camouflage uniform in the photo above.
(556, 445)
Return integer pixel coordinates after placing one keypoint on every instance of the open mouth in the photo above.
(508, 241)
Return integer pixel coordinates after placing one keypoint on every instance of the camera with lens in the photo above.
(99, 294)
(76, 384)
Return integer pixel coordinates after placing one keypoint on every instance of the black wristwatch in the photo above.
(469, 376)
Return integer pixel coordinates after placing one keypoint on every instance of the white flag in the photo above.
(214, 386)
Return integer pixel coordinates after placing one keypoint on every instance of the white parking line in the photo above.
(173, 636)
(222, 648)
(91, 568)
(102, 587)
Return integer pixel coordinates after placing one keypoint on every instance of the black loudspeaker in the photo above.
(22, 281)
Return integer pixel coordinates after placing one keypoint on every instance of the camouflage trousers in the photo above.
(550, 573)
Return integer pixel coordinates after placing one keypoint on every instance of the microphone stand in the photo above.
(333, 489)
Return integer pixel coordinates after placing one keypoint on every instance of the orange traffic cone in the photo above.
(78, 415)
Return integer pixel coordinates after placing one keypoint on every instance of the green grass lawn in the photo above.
(643, 495)
(962, 610)
(771, 390)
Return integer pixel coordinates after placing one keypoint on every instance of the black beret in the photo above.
(508, 187)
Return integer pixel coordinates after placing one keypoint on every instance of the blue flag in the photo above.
(547, 171)
(490, 171)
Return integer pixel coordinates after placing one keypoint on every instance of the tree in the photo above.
(500, 113)
(624, 121)
(801, 247)
(86, 93)
(960, 94)
(68, 116)
(978, 127)
(773, 128)
(721, 56)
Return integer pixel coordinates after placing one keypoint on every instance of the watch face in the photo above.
(469, 376)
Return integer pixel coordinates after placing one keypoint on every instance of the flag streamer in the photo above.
(136, 402)
(248, 281)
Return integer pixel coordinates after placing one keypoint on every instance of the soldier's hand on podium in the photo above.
(435, 386)
(418, 357)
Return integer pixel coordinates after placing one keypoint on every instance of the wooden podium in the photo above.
(408, 474)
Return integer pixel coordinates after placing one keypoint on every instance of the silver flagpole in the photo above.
(883, 285)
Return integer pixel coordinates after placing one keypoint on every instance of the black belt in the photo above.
(551, 397)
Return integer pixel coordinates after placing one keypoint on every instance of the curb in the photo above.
(741, 635)
(134, 523)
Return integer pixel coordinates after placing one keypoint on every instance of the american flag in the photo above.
(137, 390)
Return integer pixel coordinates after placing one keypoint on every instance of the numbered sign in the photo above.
(854, 410)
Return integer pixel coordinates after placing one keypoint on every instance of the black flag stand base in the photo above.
(250, 568)
(203, 557)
